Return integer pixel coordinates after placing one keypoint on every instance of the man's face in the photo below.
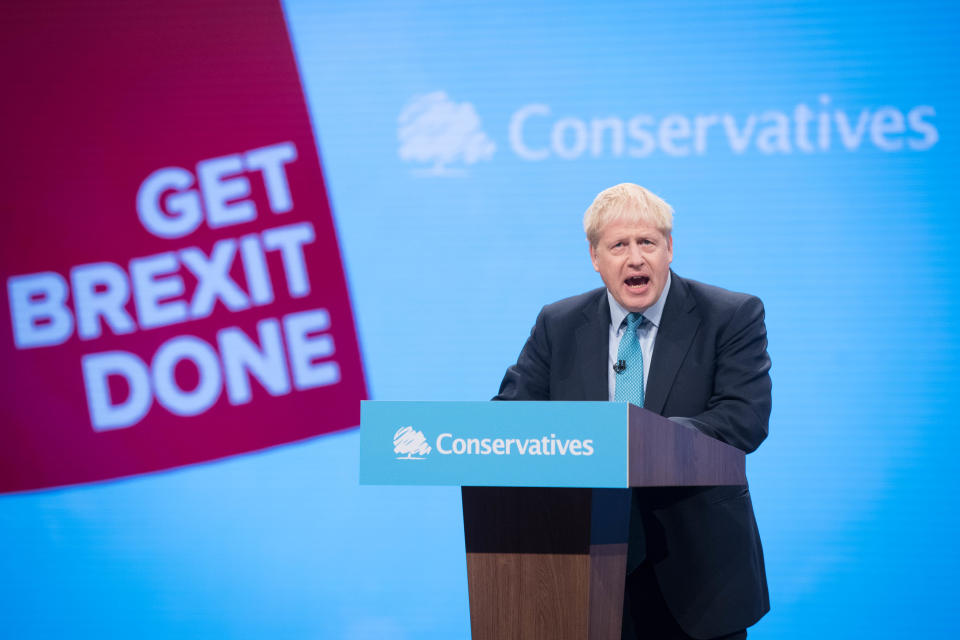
(633, 258)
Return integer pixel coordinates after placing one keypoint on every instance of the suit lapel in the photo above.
(678, 325)
(593, 348)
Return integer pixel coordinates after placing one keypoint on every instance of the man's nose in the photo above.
(636, 255)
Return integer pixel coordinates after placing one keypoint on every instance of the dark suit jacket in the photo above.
(710, 369)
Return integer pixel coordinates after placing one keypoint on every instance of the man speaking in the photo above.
(688, 351)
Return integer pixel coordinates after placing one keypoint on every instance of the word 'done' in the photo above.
(241, 358)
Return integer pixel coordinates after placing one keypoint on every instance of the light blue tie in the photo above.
(629, 388)
(629, 383)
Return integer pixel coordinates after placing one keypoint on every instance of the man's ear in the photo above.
(593, 256)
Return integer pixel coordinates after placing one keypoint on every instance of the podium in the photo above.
(546, 498)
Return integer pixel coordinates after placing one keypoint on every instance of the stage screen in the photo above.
(366, 200)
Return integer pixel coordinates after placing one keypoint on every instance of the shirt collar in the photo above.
(652, 314)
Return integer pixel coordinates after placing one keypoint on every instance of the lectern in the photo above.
(546, 498)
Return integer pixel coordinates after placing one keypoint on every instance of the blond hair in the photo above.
(627, 202)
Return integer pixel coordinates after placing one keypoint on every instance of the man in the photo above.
(688, 351)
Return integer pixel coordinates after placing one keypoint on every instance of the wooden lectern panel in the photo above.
(537, 584)
(545, 563)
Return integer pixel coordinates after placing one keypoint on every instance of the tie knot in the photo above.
(634, 320)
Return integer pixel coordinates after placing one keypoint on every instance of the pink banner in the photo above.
(173, 286)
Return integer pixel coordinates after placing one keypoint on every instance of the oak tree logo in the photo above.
(434, 129)
(410, 444)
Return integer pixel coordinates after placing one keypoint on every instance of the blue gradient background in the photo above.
(851, 252)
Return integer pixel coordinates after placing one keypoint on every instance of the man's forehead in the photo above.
(630, 227)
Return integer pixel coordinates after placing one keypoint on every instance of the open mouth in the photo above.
(637, 281)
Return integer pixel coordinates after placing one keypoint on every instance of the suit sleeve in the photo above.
(529, 378)
(738, 411)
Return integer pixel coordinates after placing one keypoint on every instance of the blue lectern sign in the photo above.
(544, 444)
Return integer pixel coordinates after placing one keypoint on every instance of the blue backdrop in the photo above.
(806, 148)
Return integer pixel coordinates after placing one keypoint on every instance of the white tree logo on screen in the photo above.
(410, 444)
(433, 129)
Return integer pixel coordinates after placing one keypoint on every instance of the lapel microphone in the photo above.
(620, 366)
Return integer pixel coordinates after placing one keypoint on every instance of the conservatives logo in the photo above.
(432, 128)
(410, 444)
